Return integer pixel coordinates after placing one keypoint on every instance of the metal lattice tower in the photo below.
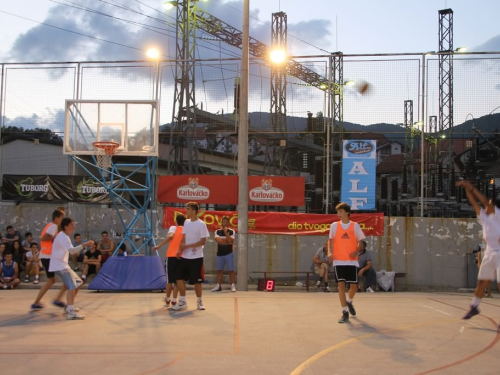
(183, 133)
(446, 81)
(337, 63)
(446, 70)
(278, 94)
(433, 124)
(408, 124)
(432, 153)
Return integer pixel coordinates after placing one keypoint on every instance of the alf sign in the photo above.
(359, 162)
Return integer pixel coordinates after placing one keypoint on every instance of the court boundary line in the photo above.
(299, 369)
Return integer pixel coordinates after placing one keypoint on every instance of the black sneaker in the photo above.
(351, 309)
(344, 318)
(473, 311)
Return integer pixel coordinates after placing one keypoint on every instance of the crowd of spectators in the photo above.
(20, 255)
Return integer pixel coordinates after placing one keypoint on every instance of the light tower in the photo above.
(183, 127)
(446, 83)
(278, 92)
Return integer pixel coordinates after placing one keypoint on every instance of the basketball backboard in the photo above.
(132, 124)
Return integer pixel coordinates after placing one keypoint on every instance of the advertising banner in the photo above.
(262, 190)
(198, 188)
(359, 162)
(276, 191)
(53, 189)
(372, 224)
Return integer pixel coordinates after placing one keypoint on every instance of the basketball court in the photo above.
(250, 333)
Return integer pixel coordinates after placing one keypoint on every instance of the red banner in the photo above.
(276, 191)
(372, 224)
(198, 188)
(262, 190)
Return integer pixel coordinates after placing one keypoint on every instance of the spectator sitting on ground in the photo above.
(2, 250)
(365, 268)
(18, 254)
(91, 261)
(322, 263)
(32, 262)
(28, 239)
(122, 250)
(11, 235)
(106, 246)
(9, 272)
(77, 257)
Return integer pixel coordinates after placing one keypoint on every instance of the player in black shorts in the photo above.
(190, 266)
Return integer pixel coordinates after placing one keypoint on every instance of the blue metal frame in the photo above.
(117, 184)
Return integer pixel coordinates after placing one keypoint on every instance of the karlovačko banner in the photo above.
(372, 224)
(53, 189)
(276, 191)
(262, 190)
(198, 188)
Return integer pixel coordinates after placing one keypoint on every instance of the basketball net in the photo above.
(104, 153)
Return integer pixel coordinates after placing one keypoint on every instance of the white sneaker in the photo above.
(217, 288)
(73, 315)
(370, 290)
(233, 288)
(200, 305)
(181, 305)
(65, 309)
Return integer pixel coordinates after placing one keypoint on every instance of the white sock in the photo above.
(218, 285)
(233, 284)
(181, 298)
(349, 300)
(174, 300)
(198, 299)
(84, 277)
(344, 309)
(70, 308)
(475, 301)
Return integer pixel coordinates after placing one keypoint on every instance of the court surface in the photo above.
(250, 333)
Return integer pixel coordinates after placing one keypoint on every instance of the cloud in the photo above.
(42, 43)
(215, 88)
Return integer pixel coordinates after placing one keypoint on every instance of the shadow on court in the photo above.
(250, 333)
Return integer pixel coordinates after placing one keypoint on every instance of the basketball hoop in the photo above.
(105, 151)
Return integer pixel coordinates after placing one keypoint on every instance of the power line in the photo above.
(268, 23)
(73, 32)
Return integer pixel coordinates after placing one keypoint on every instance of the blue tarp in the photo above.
(131, 273)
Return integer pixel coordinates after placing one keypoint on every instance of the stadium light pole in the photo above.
(242, 268)
(422, 148)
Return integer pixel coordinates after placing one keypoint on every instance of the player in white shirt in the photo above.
(190, 266)
(489, 217)
(61, 248)
(47, 238)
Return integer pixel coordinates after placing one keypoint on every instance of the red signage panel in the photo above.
(198, 188)
(372, 224)
(276, 191)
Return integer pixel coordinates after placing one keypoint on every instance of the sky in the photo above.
(315, 27)
(356, 26)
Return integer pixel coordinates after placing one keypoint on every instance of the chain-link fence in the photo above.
(390, 111)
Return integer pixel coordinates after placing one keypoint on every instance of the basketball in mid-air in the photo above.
(363, 88)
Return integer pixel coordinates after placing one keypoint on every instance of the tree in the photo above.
(36, 132)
